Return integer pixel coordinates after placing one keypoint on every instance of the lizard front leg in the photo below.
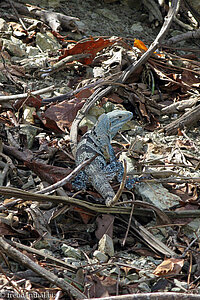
(115, 167)
(80, 182)
(98, 179)
(101, 184)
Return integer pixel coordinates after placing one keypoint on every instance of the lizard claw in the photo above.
(109, 202)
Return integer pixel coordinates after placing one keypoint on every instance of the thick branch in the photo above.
(153, 296)
(188, 119)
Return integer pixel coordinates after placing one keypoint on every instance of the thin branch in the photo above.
(120, 190)
(21, 96)
(44, 255)
(66, 179)
(129, 224)
(30, 264)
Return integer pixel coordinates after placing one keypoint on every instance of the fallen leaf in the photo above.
(94, 287)
(104, 225)
(18, 30)
(85, 216)
(126, 269)
(31, 100)
(6, 229)
(114, 98)
(13, 70)
(91, 47)
(143, 48)
(140, 45)
(171, 266)
(62, 114)
(49, 173)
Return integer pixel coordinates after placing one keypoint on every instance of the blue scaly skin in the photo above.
(105, 166)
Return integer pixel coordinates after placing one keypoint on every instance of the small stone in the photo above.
(157, 195)
(3, 25)
(32, 51)
(13, 48)
(29, 130)
(98, 72)
(130, 162)
(64, 90)
(176, 289)
(46, 41)
(133, 277)
(106, 245)
(141, 273)
(182, 285)
(43, 244)
(108, 14)
(100, 256)
(46, 251)
(69, 260)
(72, 261)
(136, 131)
(143, 286)
(96, 111)
(81, 25)
(88, 121)
(71, 252)
(136, 27)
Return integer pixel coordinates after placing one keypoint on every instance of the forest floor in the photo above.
(66, 244)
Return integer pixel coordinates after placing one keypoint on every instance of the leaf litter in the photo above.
(55, 241)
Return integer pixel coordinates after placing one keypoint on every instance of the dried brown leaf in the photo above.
(171, 266)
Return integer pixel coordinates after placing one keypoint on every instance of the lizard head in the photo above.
(117, 119)
(109, 124)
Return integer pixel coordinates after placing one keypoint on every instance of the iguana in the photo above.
(105, 166)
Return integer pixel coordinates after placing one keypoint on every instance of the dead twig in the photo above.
(4, 173)
(143, 235)
(61, 64)
(163, 218)
(66, 179)
(153, 8)
(184, 36)
(190, 269)
(183, 25)
(15, 11)
(187, 119)
(189, 246)
(153, 296)
(101, 92)
(56, 185)
(21, 96)
(179, 106)
(53, 19)
(98, 208)
(44, 255)
(129, 224)
(120, 190)
(30, 264)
